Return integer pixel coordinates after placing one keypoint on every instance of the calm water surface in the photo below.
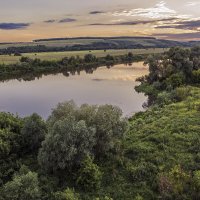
(105, 86)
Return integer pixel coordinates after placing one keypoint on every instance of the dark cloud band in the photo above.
(50, 21)
(185, 25)
(13, 26)
(96, 12)
(67, 20)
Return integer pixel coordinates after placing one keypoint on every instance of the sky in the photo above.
(26, 20)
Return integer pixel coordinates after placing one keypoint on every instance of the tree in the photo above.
(62, 111)
(66, 145)
(10, 145)
(33, 132)
(196, 184)
(109, 57)
(90, 176)
(25, 59)
(107, 120)
(110, 127)
(24, 186)
(89, 58)
(68, 194)
(138, 197)
(175, 80)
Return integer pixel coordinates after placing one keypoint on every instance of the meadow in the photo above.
(10, 59)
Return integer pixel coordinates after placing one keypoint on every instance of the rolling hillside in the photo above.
(90, 43)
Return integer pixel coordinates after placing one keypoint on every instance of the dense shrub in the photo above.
(89, 176)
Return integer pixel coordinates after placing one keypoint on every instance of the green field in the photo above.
(6, 59)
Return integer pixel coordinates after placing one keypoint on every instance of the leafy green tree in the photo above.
(196, 184)
(110, 127)
(68, 194)
(109, 57)
(109, 124)
(195, 57)
(138, 197)
(25, 59)
(89, 58)
(196, 76)
(33, 132)
(104, 198)
(66, 145)
(62, 111)
(24, 186)
(175, 80)
(10, 145)
(90, 175)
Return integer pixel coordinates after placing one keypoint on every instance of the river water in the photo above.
(113, 85)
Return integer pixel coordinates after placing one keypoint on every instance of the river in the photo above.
(113, 85)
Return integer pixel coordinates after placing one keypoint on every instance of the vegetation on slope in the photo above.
(93, 43)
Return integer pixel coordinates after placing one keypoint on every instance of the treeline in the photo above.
(77, 47)
(170, 70)
(28, 68)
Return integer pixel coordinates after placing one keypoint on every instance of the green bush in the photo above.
(68, 194)
(90, 176)
(24, 185)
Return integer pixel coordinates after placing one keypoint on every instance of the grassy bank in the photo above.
(10, 59)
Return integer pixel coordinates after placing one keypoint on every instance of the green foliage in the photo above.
(196, 76)
(33, 132)
(89, 178)
(68, 194)
(173, 69)
(182, 93)
(197, 179)
(89, 58)
(10, 145)
(175, 80)
(104, 198)
(110, 127)
(66, 145)
(24, 186)
(138, 197)
(107, 120)
(76, 132)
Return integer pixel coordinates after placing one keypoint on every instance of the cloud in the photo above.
(160, 10)
(185, 25)
(13, 26)
(192, 3)
(96, 12)
(179, 36)
(50, 21)
(67, 20)
(138, 22)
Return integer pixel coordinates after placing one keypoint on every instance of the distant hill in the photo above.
(92, 38)
(91, 43)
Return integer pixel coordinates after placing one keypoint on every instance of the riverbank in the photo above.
(28, 68)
